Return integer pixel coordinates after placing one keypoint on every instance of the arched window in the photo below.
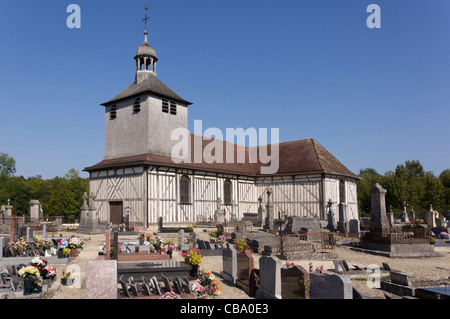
(137, 106)
(227, 192)
(113, 112)
(341, 191)
(185, 190)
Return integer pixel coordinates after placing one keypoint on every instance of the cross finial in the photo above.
(146, 18)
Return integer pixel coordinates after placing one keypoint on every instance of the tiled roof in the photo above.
(151, 85)
(295, 158)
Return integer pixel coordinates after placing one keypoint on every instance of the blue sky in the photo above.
(372, 97)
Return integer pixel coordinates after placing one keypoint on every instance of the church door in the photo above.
(115, 212)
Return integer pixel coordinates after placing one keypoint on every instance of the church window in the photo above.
(185, 190)
(137, 106)
(341, 191)
(113, 112)
(227, 192)
(173, 108)
(165, 106)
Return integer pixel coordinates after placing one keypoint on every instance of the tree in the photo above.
(445, 179)
(7, 166)
(369, 178)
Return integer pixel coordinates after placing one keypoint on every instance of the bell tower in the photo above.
(141, 119)
(145, 57)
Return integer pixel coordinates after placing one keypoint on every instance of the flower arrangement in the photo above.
(47, 244)
(289, 265)
(168, 247)
(241, 244)
(190, 227)
(39, 263)
(319, 270)
(66, 251)
(75, 242)
(48, 272)
(444, 235)
(206, 286)
(132, 228)
(21, 244)
(122, 227)
(170, 295)
(63, 244)
(214, 234)
(29, 272)
(192, 256)
(156, 242)
(222, 239)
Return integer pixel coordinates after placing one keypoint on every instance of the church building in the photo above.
(139, 176)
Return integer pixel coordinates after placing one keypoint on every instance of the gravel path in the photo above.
(417, 267)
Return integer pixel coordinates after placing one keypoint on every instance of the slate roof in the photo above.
(151, 85)
(295, 158)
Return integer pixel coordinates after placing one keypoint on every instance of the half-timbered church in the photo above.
(138, 174)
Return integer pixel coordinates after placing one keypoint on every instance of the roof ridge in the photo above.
(313, 142)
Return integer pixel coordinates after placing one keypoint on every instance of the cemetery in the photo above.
(297, 258)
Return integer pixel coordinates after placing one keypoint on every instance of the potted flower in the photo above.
(63, 244)
(48, 273)
(75, 243)
(31, 279)
(122, 227)
(39, 263)
(193, 257)
(66, 280)
(168, 248)
(241, 244)
(66, 252)
(222, 239)
(170, 295)
(206, 286)
(156, 241)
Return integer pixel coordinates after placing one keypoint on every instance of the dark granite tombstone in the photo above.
(177, 286)
(156, 285)
(326, 286)
(386, 266)
(295, 283)
(124, 286)
(167, 284)
(146, 286)
(244, 264)
(186, 284)
(201, 244)
(133, 286)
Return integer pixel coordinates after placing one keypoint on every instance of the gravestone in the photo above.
(342, 225)
(269, 278)
(201, 244)
(431, 217)
(295, 283)
(29, 234)
(229, 264)
(270, 215)
(166, 282)
(34, 210)
(2, 239)
(326, 286)
(155, 283)
(245, 264)
(260, 216)
(107, 246)
(378, 219)
(338, 266)
(330, 217)
(146, 287)
(101, 279)
(44, 231)
(353, 226)
(399, 278)
(116, 244)
(390, 215)
(404, 217)
(124, 286)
